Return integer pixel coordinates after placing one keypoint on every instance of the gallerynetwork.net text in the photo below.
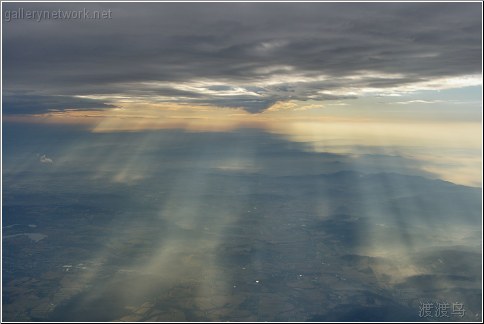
(59, 14)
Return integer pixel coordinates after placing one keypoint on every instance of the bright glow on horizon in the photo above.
(450, 150)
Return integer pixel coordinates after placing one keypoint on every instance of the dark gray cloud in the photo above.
(240, 54)
(37, 104)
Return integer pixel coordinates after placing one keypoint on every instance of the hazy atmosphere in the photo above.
(242, 161)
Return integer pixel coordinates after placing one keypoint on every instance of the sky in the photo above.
(391, 74)
(252, 56)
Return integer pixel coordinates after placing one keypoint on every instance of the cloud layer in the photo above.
(248, 55)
